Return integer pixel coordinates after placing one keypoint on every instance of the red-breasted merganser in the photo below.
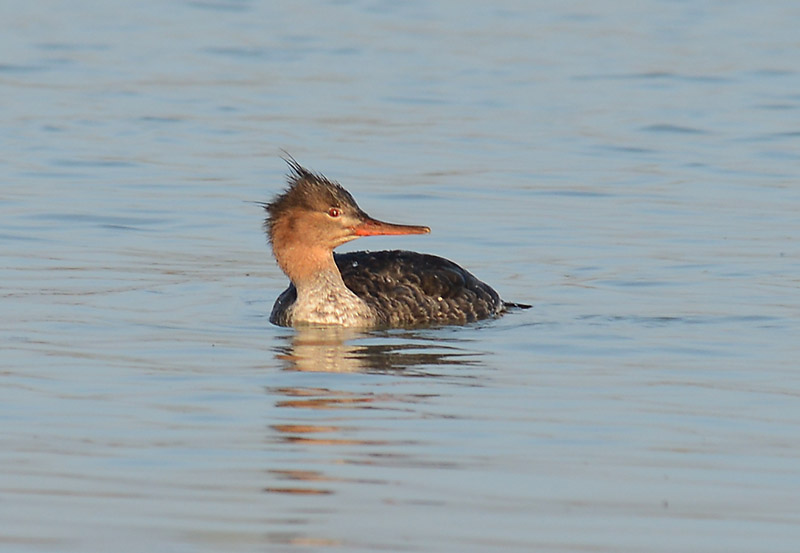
(361, 289)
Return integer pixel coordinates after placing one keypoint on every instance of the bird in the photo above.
(364, 289)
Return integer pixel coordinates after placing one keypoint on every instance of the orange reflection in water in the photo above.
(313, 423)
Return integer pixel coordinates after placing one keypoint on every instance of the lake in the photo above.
(629, 168)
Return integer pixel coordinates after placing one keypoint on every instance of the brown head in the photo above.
(315, 215)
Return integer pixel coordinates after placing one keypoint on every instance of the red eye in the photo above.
(333, 212)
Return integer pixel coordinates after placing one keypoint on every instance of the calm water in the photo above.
(631, 168)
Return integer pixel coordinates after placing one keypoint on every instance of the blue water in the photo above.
(628, 168)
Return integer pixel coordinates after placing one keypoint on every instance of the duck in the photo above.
(364, 289)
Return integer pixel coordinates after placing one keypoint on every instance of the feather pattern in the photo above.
(405, 288)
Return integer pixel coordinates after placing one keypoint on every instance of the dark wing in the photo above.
(409, 288)
(280, 310)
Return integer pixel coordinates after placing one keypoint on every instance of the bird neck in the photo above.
(322, 296)
(308, 267)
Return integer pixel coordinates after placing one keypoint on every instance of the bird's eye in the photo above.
(334, 212)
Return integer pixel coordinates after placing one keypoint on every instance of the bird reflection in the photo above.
(337, 349)
(302, 426)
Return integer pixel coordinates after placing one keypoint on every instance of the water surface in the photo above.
(628, 168)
